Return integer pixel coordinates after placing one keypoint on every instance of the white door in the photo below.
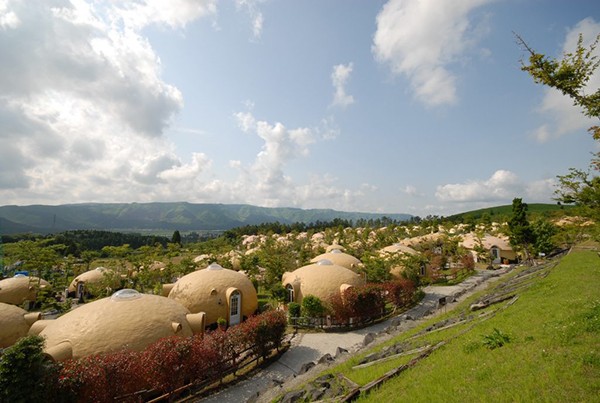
(235, 308)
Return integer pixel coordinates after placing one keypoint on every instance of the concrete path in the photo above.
(310, 347)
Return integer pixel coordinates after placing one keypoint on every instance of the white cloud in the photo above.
(501, 187)
(566, 118)
(83, 107)
(266, 178)
(421, 39)
(174, 13)
(411, 190)
(251, 7)
(339, 77)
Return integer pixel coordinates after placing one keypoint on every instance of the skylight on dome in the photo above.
(325, 262)
(126, 294)
(215, 266)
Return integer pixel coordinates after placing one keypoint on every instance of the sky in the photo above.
(399, 106)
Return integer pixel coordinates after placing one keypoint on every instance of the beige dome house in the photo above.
(91, 277)
(125, 320)
(14, 323)
(498, 248)
(336, 256)
(218, 292)
(320, 279)
(20, 288)
(398, 248)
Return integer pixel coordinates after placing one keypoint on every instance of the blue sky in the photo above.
(415, 107)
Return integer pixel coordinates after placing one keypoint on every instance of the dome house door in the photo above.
(235, 308)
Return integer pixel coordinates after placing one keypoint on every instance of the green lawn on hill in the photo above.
(553, 352)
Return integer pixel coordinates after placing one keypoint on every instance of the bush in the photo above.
(495, 339)
(312, 307)
(26, 374)
(165, 365)
(294, 309)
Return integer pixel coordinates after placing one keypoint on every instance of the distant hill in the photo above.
(502, 213)
(181, 216)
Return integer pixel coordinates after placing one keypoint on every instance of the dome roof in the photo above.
(339, 258)
(471, 240)
(127, 319)
(399, 248)
(18, 289)
(14, 323)
(335, 246)
(320, 279)
(93, 276)
(208, 291)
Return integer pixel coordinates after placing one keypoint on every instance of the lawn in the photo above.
(551, 349)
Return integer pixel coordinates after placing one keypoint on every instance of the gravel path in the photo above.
(310, 347)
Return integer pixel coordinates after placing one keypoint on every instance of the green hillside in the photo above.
(541, 343)
(503, 213)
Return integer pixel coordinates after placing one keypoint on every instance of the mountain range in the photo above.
(181, 216)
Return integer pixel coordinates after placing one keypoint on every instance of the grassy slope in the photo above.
(504, 212)
(553, 355)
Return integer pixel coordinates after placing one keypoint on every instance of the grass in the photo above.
(543, 347)
(546, 347)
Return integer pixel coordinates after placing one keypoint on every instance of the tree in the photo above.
(26, 375)
(521, 233)
(570, 75)
(176, 238)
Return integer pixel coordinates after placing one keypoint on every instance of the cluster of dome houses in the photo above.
(200, 299)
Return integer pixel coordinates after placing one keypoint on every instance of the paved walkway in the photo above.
(310, 347)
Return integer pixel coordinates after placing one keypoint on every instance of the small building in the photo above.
(495, 247)
(340, 258)
(321, 279)
(14, 323)
(100, 276)
(20, 288)
(125, 320)
(218, 292)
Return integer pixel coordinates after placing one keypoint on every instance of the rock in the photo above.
(407, 317)
(292, 397)
(339, 351)
(395, 322)
(323, 379)
(316, 394)
(276, 382)
(306, 367)
(369, 337)
(326, 358)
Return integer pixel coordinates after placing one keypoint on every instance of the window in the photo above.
(290, 290)
(235, 304)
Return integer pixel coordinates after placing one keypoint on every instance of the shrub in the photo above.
(25, 372)
(165, 365)
(312, 307)
(495, 339)
(102, 378)
(294, 309)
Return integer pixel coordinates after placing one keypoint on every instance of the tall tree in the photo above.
(570, 75)
(521, 233)
(176, 238)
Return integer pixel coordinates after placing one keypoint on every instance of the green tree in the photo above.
(26, 375)
(176, 238)
(543, 232)
(312, 307)
(570, 75)
(520, 231)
